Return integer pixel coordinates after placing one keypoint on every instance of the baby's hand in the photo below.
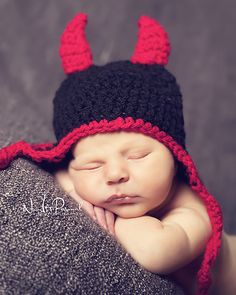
(102, 216)
(105, 218)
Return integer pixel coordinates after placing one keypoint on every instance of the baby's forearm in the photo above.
(158, 248)
(135, 235)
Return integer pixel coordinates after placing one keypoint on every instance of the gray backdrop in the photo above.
(202, 59)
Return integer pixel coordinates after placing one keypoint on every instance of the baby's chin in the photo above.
(128, 211)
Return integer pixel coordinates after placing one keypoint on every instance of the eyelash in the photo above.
(132, 159)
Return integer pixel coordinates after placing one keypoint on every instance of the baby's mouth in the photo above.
(118, 199)
(119, 196)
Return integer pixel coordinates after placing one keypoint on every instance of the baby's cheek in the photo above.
(64, 180)
(84, 188)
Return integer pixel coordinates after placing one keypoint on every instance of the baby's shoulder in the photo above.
(184, 201)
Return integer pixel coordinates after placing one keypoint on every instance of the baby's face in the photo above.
(122, 163)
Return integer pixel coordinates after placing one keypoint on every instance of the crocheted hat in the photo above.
(137, 95)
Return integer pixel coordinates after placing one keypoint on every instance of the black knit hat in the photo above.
(120, 89)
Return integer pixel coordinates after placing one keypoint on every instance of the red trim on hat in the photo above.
(51, 153)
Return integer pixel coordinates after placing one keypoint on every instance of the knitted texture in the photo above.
(61, 251)
(120, 89)
(75, 50)
(153, 45)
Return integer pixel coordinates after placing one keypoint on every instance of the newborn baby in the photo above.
(162, 223)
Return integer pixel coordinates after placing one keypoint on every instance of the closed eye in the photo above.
(92, 168)
(86, 168)
(138, 156)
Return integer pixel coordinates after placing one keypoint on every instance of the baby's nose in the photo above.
(117, 175)
(117, 179)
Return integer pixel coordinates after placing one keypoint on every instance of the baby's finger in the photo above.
(88, 207)
(99, 212)
(110, 218)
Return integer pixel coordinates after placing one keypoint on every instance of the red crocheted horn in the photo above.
(153, 46)
(75, 51)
